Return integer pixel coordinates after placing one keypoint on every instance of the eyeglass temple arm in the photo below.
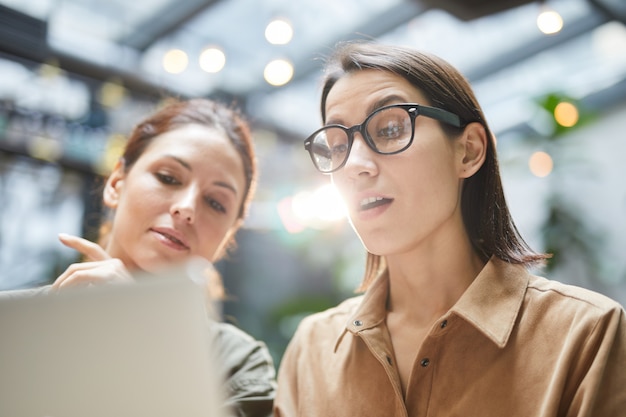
(440, 114)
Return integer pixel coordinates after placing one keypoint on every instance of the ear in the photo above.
(472, 147)
(114, 185)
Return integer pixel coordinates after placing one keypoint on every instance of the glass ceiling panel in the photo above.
(476, 47)
(468, 45)
(108, 20)
(501, 54)
(238, 26)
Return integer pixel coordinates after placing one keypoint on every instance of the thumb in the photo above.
(90, 250)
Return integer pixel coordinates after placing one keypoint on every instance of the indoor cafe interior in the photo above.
(76, 75)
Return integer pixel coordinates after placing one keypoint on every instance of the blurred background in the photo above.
(76, 75)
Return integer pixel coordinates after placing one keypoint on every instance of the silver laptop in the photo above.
(116, 350)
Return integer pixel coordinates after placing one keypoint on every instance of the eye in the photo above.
(392, 129)
(391, 124)
(340, 149)
(166, 179)
(216, 205)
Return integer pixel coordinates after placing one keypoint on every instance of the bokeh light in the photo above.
(112, 94)
(540, 164)
(278, 72)
(566, 114)
(44, 148)
(318, 209)
(279, 32)
(175, 61)
(549, 22)
(212, 60)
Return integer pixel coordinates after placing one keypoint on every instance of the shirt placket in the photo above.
(378, 342)
(422, 381)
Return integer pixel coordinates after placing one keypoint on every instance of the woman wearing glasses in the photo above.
(451, 322)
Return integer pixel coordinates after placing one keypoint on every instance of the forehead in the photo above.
(192, 136)
(363, 89)
(203, 148)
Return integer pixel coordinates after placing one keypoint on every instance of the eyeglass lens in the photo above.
(388, 130)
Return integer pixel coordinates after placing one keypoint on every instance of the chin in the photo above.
(380, 247)
(157, 263)
(373, 249)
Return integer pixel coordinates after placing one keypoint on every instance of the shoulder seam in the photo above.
(610, 305)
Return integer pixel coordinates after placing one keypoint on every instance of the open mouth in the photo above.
(372, 202)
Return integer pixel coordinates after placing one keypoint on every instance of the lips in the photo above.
(372, 202)
(172, 238)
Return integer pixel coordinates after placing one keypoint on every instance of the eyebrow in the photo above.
(384, 102)
(188, 167)
(377, 105)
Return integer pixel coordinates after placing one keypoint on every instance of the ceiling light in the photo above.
(278, 32)
(175, 61)
(212, 60)
(278, 72)
(549, 21)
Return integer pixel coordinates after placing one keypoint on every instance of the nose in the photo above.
(184, 206)
(361, 160)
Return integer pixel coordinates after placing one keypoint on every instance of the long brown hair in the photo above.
(486, 216)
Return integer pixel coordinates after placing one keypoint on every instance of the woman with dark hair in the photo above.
(451, 322)
(181, 190)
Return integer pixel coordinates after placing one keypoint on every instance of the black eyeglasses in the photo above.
(386, 131)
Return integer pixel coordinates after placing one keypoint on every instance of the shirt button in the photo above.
(357, 323)
(444, 323)
(424, 362)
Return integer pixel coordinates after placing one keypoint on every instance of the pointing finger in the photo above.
(91, 250)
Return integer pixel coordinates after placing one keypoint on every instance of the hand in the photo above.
(100, 269)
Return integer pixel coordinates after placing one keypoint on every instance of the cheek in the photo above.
(426, 179)
(136, 212)
(438, 186)
(143, 205)
(434, 162)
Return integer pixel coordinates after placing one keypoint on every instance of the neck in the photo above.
(424, 285)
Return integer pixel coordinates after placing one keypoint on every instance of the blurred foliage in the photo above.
(566, 231)
(550, 101)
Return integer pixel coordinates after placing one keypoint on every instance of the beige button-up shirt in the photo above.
(514, 345)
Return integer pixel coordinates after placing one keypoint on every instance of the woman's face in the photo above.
(402, 202)
(181, 198)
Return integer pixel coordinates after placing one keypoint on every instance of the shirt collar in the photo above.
(491, 303)
(371, 311)
(493, 300)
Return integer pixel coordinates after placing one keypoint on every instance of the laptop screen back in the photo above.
(115, 350)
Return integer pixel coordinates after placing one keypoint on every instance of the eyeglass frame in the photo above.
(413, 109)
